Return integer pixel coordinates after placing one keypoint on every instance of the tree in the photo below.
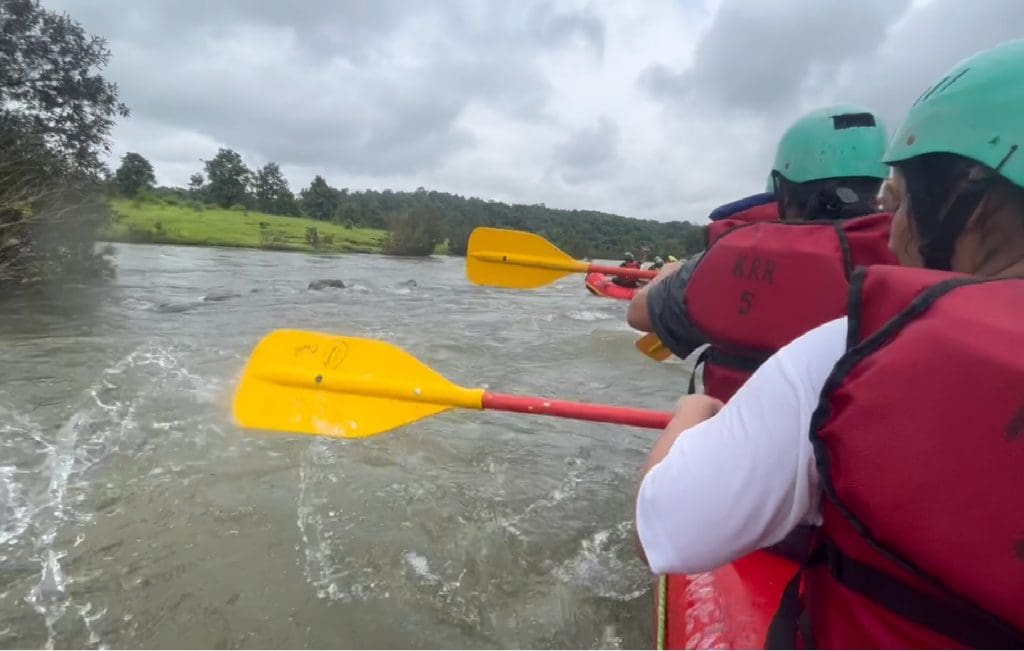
(50, 84)
(414, 233)
(272, 192)
(319, 200)
(56, 112)
(457, 235)
(229, 179)
(134, 175)
(196, 185)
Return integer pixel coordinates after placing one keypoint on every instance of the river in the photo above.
(133, 513)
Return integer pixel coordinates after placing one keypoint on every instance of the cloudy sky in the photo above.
(658, 109)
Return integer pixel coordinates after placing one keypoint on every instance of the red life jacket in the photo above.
(761, 285)
(919, 439)
(765, 212)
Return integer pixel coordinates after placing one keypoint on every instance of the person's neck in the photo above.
(1002, 266)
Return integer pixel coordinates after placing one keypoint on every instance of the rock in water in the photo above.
(174, 308)
(325, 283)
(408, 283)
(220, 296)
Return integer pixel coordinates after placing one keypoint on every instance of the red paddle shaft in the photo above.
(622, 272)
(577, 410)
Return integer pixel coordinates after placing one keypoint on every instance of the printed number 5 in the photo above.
(746, 301)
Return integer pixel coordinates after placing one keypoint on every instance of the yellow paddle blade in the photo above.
(504, 258)
(315, 383)
(651, 346)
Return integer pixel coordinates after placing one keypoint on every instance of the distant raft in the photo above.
(603, 285)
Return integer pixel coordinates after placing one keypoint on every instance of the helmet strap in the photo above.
(939, 227)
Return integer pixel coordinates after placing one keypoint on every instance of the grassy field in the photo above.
(162, 222)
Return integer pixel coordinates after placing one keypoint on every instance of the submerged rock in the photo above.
(174, 308)
(325, 283)
(220, 296)
(408, 283)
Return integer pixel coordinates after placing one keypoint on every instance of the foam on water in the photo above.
(599, 565)
(14, 507)
(325, 563)
(101, 423)
(591, 315)
(420, 566)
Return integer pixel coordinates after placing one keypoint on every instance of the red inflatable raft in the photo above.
(603, 285)
(729, 608)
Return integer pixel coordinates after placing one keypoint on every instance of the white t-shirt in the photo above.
(744, 478)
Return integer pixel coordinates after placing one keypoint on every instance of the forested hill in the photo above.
(416, 220)
(451, 218)
(582, 233)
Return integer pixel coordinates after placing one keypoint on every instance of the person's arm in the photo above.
(636, 315)
(690, 411)
(659, 308)
(743, 478)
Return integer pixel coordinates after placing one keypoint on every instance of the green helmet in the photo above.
(672, 258)
(975, 111)
(628, 257)
(833, 142)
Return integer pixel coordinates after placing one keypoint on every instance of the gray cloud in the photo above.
(364, 87)
(923, 47)
(758, 56)
(555, 29)
(664, 109)
(590, 153)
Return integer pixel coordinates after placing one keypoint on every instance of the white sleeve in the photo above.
(744, 478)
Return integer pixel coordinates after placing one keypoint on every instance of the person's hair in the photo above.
(827, 199)
(942, 193)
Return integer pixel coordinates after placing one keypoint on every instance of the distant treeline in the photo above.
(417, 220)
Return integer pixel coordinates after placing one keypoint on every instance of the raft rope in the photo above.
(662, 610)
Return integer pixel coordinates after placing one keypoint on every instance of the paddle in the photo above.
(499, 257)
(316, 383)
(651, 346)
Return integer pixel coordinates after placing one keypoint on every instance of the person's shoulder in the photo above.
(729, 209)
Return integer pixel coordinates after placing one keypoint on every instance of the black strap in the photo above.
(748, 364)
(937, 248)
(782, 631)
(932, 181)
(692, 388)
(965, 623)
(791, 615)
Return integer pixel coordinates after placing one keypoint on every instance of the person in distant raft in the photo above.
(762, 282)
(657, 264)
(898, 429)
(628, 262)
